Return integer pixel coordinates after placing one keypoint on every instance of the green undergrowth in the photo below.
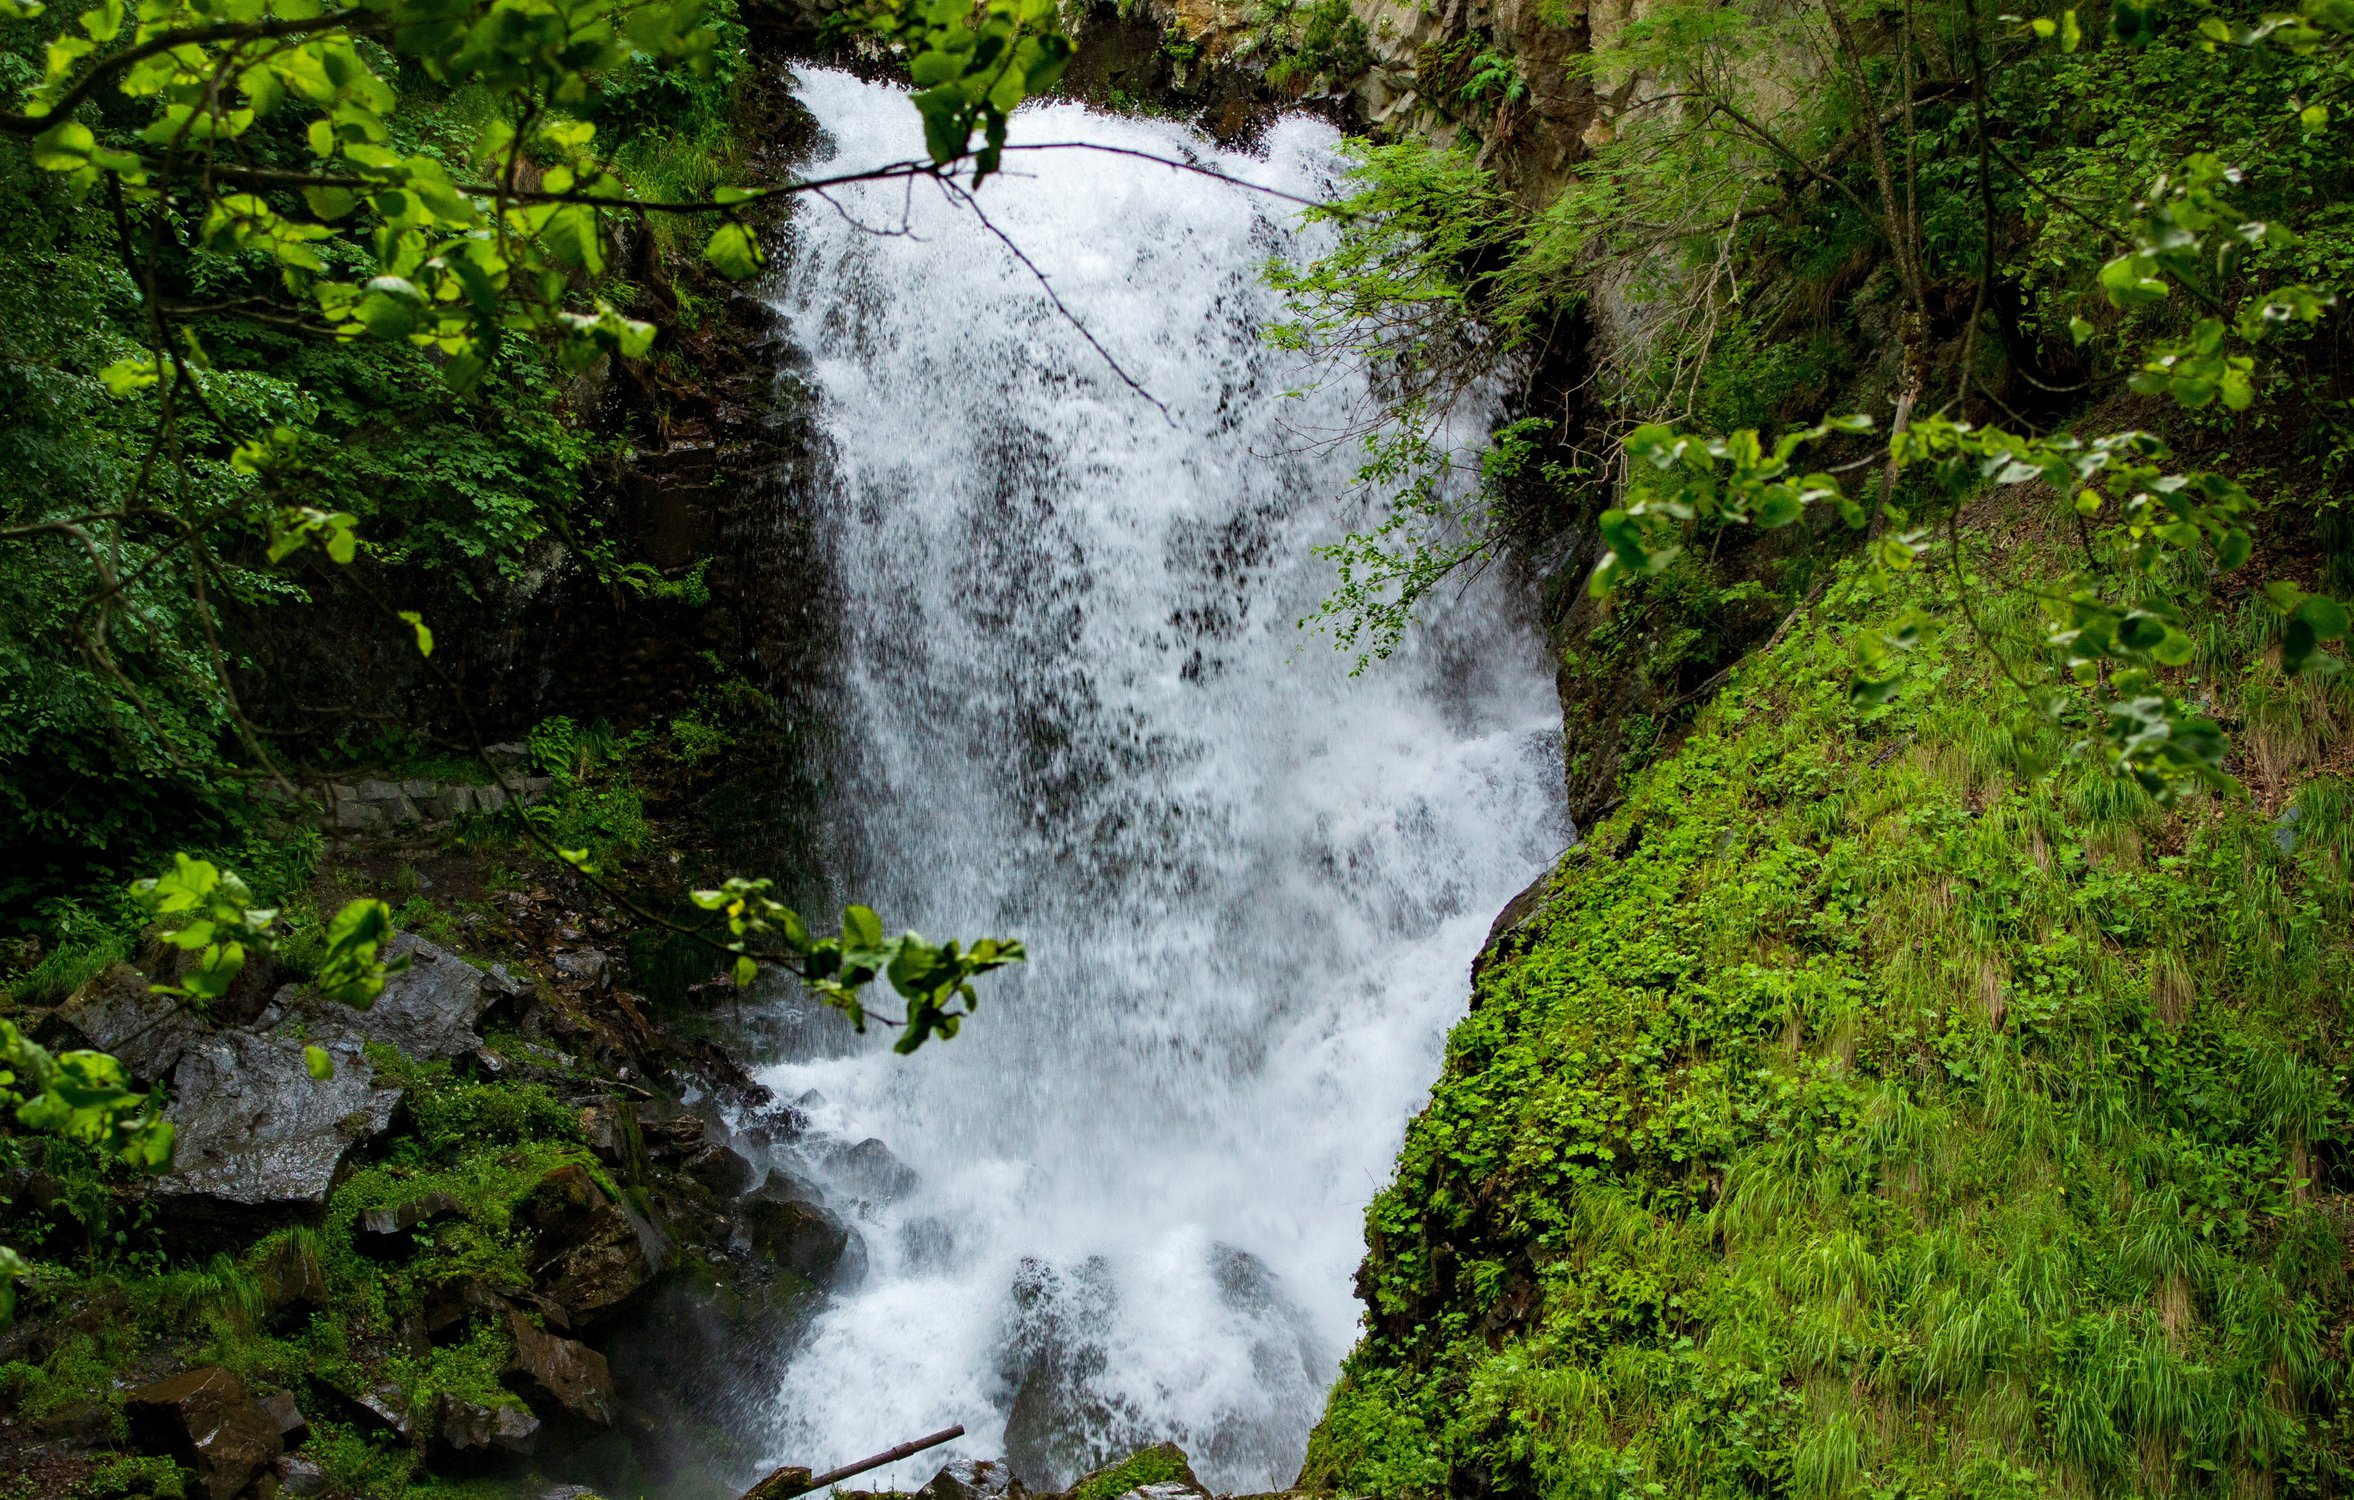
(1867, 1114)
(488, 1143)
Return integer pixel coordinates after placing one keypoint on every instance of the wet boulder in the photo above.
(258, 1136)
(590, 1252)
(556, 1375)
(790, 1228)
(451, 1307)
(118, 1012)
(474, 1435)
(974, 1479)
(428, 1010)
(207, 1421)
(721, 1168)
(378, 1408)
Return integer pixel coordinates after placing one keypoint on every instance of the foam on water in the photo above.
(1078, 710)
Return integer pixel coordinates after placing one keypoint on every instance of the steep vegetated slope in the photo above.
(1895, 1093)
(1860, 1116)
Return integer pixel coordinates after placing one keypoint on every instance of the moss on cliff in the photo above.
(1864, 1114)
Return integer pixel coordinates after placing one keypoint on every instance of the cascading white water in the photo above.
(1078, 710)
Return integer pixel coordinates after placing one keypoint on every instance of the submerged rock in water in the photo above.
(428, 1010)
(208, 1421)
(257, 1134)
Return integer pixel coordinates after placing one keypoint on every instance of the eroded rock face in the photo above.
(589, 1252)
(257, 1135)
(208, 1421)
(558, 1375)
(428, 1010)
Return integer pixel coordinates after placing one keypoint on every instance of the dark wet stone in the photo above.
(790, 1228)
(470, 1435)
(206, 1420)
(589, 1252)
(558, 1375)
(428, 1010)
(974, 1479)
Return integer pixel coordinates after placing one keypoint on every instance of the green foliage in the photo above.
(934, 979)
(1862, 1115)
(134, 1478)
(1319, 46)
(971, 64)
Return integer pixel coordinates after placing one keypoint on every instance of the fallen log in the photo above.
(787, 1482)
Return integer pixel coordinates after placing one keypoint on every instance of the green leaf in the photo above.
(317, 1063)
(861, 928)
(734, 252)
(417, 623)
(746, 971)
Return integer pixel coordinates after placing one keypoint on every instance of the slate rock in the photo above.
(789, 1227)
(588, 965)
(974, 1479)
(257, 1135)
(558, 1375)
(301, 1478)
(206, 1420)
(470, 1435)
(118, 1013)
(428, 1010)
(610, 1126)
(589, 1252)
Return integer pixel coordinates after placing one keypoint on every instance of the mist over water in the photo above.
(1077, 710)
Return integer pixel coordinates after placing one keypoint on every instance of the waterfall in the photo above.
(1076, 708)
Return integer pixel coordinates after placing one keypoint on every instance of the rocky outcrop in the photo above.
(292, 1277)
(590, 1252)
(258, 1138)
(428, 1010)
(209, 1422)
